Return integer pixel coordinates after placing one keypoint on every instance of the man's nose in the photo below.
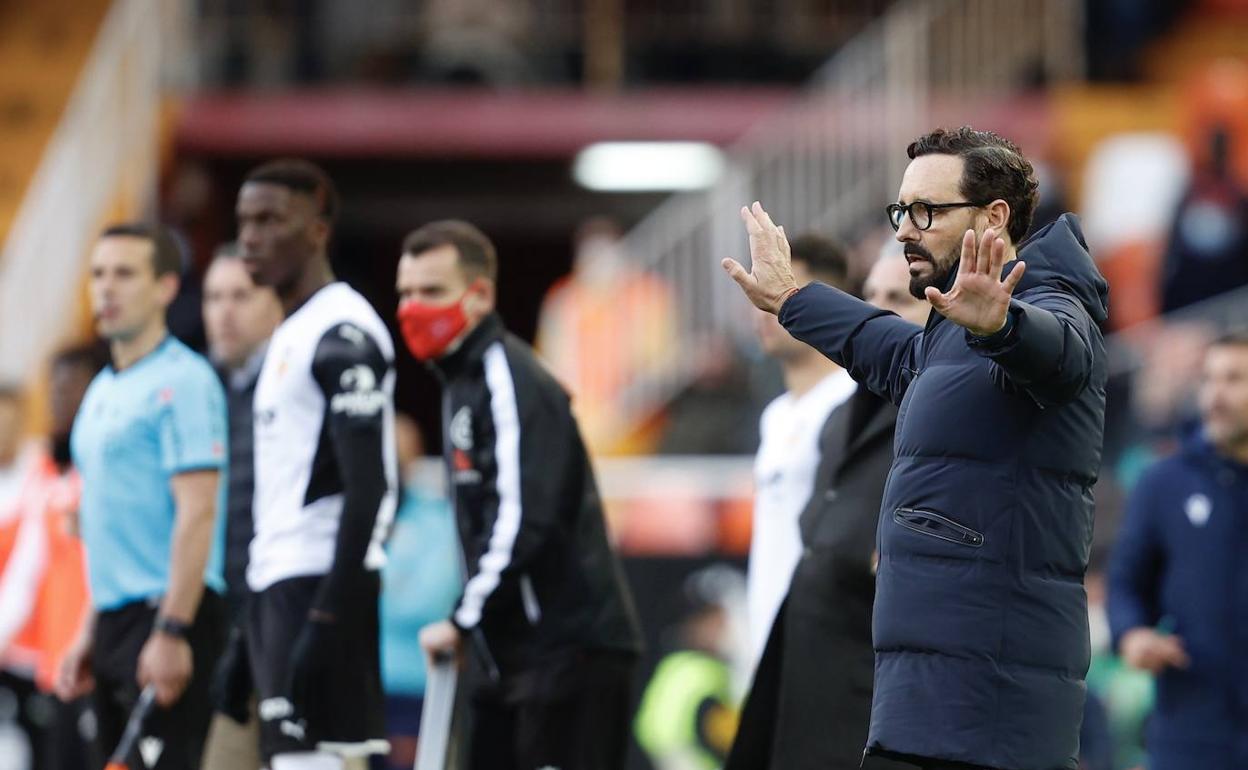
(248, 237)
(907, 232)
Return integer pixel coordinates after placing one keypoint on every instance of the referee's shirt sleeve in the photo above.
(192, 420)
(531, 451)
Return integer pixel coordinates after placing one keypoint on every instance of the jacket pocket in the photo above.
(937, 526)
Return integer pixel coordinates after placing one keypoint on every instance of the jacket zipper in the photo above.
(934, 525)
(476, 636)
(532, 610)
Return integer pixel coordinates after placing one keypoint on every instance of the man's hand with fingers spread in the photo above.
(770, 281)
(979, 299)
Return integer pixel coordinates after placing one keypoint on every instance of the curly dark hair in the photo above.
(994, 168)
(300, 176)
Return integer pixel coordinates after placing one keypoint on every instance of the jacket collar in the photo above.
(472, 349)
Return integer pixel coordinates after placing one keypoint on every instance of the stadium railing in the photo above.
(832, 159)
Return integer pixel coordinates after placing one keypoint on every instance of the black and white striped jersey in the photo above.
(326, 479)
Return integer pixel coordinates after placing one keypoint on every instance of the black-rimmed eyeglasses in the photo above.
(921, 212)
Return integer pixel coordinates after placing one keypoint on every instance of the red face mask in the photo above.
(429, 331)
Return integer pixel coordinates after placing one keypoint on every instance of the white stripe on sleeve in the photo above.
(507, 458)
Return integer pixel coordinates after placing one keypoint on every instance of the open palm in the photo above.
(770, 280)
(979, 298)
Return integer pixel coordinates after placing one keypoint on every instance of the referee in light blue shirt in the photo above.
(149, 443)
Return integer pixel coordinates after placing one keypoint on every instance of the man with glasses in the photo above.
(980, 624)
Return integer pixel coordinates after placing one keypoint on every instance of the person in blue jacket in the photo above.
(1178, 579)
(980, 623)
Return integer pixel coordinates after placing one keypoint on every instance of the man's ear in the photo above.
(320, 232)
(167, 285)
(998, 217)
(480, 300)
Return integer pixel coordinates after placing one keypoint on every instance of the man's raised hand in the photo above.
(979, 298)
(770, 281)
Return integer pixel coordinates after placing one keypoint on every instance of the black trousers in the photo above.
(346, 704)
(175, 736)
(573, 716)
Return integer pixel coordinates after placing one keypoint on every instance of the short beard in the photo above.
(938, 278)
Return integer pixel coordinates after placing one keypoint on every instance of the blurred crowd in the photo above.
(1166, 216)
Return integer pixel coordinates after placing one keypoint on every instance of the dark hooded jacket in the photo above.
(1181, 562)
(980, 625)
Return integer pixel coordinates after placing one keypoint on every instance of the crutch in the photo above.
(134, 728)
(436, 713)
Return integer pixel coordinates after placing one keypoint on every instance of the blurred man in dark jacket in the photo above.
(981, 623)
(810, 700)
(1178, 579)
(545, 609)
(239, 317)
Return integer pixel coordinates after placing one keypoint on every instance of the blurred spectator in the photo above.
(420, 583)
(269, 43)
(1172, 359)
(802, 714)
(21, 557)
(1208, 249)
(1215, 99)
(688, 712)
(1118, 30)
(1176, 607)
(788, 452)
(603, 328)
(1132, 184)
(716, 413)
(238, 318)
(1052, 202)
(43, 589)
(477, 42)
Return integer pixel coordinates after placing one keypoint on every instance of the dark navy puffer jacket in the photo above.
(1181, 560)
(981, 622)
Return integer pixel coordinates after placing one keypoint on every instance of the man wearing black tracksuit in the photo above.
(545, 610)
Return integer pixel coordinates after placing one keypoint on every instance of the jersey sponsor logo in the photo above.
(1198, 509)
(360, 398)
(461, 429)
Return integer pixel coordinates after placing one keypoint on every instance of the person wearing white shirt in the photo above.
(788, 453)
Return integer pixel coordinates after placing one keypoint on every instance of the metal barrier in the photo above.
(834, 158)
